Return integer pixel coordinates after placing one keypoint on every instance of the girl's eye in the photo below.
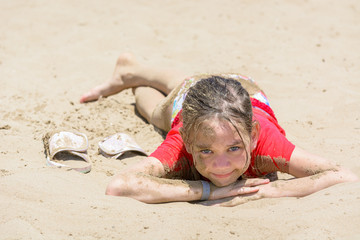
(206, 151)
(233, 149)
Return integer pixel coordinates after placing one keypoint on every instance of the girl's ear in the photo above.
(185, 140)
(255, 132)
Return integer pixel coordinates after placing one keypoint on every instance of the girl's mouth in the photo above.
(222, 175)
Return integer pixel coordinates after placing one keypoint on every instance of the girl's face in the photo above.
(219, 153)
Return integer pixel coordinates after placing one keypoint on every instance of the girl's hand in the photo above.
(264, 191)
(241, 187)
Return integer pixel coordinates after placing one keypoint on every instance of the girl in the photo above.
(223, 142)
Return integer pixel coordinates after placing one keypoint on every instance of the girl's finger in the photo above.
(246, 190)
(256, 182)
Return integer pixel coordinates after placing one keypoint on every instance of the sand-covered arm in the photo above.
(146, 182)
(312, 173)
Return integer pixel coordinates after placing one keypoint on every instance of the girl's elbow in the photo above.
(353, 178)
(111, 190)
(349, 176)
(116, 188)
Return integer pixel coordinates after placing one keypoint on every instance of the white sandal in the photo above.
(116, 145)
(72, 142)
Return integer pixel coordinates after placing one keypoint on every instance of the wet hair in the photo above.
(219, 97)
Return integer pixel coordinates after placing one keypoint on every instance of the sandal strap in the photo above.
(84, 156)
(116, 145)
(67, 141)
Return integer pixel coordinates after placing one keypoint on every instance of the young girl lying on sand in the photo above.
(223, 142)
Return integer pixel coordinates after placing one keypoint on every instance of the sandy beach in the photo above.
(304, 54)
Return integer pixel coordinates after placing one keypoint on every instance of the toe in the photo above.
(89, 96)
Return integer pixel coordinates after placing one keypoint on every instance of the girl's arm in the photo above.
(145, 182)
(316, 172)
(312, 173)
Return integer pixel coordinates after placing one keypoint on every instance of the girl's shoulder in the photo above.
(266, 119)
(272, 146)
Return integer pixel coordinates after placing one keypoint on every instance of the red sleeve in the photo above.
(272, 143)
(173, 155)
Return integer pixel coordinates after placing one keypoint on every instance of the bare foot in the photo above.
(123, 78)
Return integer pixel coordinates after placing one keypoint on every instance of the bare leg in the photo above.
(159, 113)
(143, 105)
(129, 73)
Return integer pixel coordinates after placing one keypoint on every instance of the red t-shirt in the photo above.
(271, 143)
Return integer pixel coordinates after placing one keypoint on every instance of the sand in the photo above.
(305, 54)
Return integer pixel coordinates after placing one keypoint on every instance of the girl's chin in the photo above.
(221, 184)
(223, 180)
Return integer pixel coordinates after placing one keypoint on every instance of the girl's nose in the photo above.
(221, 161)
